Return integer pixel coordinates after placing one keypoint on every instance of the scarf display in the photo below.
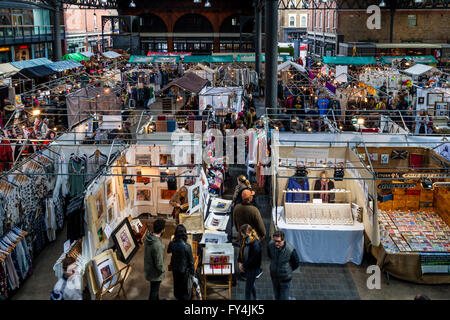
(324, 187)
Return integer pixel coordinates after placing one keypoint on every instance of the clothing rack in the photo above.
(22, 235)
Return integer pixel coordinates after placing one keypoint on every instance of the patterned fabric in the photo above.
(3, 281)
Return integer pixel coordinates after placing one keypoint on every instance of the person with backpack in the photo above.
(181, 264)
(283, 261)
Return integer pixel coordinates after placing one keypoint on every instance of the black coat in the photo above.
(254, 256)
(182, 260)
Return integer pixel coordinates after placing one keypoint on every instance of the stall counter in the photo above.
(324, 243)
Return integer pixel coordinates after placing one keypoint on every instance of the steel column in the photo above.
(271, 27)
(57, 50)
(258, 36)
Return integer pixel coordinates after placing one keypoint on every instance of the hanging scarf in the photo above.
(324, 187)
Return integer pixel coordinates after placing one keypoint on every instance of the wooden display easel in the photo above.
(222, 272)
(122, 275)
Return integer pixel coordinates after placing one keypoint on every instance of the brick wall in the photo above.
(432, 26)
(75, 19)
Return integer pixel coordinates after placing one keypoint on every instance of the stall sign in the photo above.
(389, 185)
(411, 175)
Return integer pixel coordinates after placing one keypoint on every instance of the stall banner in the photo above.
(390, 185)
(410, 175)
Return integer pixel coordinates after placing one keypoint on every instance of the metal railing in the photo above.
(11, 34)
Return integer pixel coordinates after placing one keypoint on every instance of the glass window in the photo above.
(412, 20)
(328, 19)
(303, 21)
(292, 21)
(5, 20)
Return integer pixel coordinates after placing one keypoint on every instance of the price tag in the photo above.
(107, 231)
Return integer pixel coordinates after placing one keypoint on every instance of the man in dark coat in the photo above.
(154, 258)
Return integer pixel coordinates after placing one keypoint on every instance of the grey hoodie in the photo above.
(154, 258)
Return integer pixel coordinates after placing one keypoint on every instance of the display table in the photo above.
(323, 243)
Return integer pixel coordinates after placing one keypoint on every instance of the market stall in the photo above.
(324, 225)
(413, 213)
(203, 72)
(222, 99)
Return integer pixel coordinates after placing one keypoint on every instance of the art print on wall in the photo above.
(433, 97)
(441, 109)
(125, 241)
(143, 195)
(143, 159)
(373, 156)
(194, 196)
(384, 159)
(100, 203)
(165, 159)
(140, 178)
(421, 100)
(109, 190)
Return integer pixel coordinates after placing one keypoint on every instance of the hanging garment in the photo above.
(6, 153)
(3, 281)
(293, 184)
(77, 175)
(96, 162)
(75, 219)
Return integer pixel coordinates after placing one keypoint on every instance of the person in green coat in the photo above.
(154, 258)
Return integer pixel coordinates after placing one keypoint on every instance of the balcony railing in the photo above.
(10, 34)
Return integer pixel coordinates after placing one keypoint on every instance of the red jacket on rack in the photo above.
(6, 158)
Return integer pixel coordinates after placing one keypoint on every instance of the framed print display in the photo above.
(104, 267)
(140, 178)
(166, 194)
(125, 241)
(194, 196)
(433, 97)
(165, 159)
(421, 100)
(143, 195)
(111, 213)
(100, 203)
(384, 159)
(441, 109)
(373, 156)
(143, 159)
(109, 190)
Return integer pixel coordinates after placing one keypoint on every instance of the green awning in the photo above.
(209, 59)
(417, 59)
(75, 56)
(250, 58)
(349, 60)
(154, 59)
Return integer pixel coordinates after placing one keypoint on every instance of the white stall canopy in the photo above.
(221, 98)
(418, 69)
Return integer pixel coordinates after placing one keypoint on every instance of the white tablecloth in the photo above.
(324, 243)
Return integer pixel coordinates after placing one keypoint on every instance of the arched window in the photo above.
(291, 21)
(303, 21)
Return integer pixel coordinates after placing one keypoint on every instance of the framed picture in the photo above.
(373, 156)
(433, 97)
(194, 196)
(143, 195)
(441, 108)
(166, 194)
(100, 203)
(421, 100)
(384, 159)
(143, 159)
(140, 178)
(165, 159)
(109, 189)
(104, 267)
(125, 241)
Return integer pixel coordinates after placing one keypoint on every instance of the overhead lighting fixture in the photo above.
(360, 121)
(132, 4)
(36, 112)
(197, 1)
(382, 4)
(427, 184)
(207, 4)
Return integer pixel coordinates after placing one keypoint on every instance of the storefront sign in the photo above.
(389, 185)
(3, 49)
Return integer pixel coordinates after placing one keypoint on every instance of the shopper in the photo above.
(283, 261)
(154, 258)
(247, 213)
(181, 263)
(242, 184)
(249, 259)
(68, 286)
(179, 202)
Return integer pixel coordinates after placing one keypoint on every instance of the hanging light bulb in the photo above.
(132, 4)
(382, 4)
(207, 4)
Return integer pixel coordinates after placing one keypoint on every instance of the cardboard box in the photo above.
(412, 192)
(426, 204)
(386, 205)
(426, 196)
(412, 205)
(398, 191)
(398, 204)
(398, 197)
